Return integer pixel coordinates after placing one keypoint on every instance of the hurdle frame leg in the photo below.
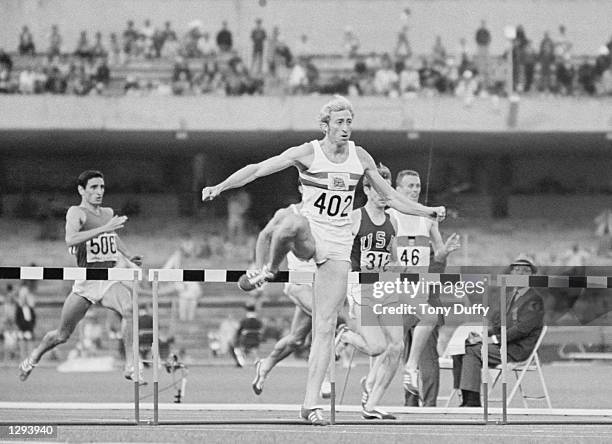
(136, 346)
(485, 359)
(503, 351)
(332, 383)
(155, 347)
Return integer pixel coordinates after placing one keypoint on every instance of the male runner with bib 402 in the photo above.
(90, 234)
(329, 170)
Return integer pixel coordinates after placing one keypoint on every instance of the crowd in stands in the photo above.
(207, 65)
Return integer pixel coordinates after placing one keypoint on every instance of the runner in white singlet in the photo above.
(329, 169)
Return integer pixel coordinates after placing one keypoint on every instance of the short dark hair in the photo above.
(86, 175)
(404, 173)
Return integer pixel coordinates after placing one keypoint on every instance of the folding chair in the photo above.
(519, 369)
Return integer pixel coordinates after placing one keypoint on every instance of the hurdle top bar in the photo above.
(297, 277)
(70, 273)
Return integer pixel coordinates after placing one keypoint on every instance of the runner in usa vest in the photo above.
(371, 246)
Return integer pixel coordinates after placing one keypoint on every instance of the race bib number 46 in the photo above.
(102, 248)
(413, 256)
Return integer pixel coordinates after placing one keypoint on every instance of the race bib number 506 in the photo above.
(102, 248)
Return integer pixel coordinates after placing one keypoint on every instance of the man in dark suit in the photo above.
(525, 318)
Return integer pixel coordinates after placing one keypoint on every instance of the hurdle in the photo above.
(217, 275)
(231, 276)
(503, 281)
(134, 275)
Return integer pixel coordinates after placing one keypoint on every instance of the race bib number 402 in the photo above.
(102, 248)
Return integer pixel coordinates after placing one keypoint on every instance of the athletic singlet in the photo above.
(101, 251)
(413, 246)
(293, 262)
(370, 251)
(329, 188)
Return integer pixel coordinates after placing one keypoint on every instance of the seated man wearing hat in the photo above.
(525, 318)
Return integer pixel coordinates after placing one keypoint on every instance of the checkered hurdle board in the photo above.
(71, 273)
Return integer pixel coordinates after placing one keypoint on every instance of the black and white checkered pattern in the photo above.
(70, 273)
(296, 277)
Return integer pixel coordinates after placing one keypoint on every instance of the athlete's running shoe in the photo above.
(25, 368)
(257, 384)
(376, 414)
(314, 416)
(255, 278)
(411, 381)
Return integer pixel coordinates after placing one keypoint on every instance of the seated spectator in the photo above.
(210, 80)
(450, 74)
(26, 42)
(206, 47)
(115, 53)
(238, 80)
(98, 49)
(605, 83)
(27, 80)
(130, 36)
(224, 38)
(429, 77)
(271, 56)
(25, 316)
(409, 82)
(386, 79)
(298, 82)
(248, 336)
(350, 42)
(83, 48)
(102, 75)
(139, 47)
(171, 48)
(312, 75)
(402, 46)
(438, 51)
(56, 82)
(5, 60)
(181, 66)
(467, 87)
(563, 45)
(190, 40)
(181, 86)
(465, 56)
(167, 33)
(8, 329)
(40, 79)
(148, 32)
(55, 42)
(565, 77)
(78, 82)
(6, 85)
(524, 325)
(131, 86)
